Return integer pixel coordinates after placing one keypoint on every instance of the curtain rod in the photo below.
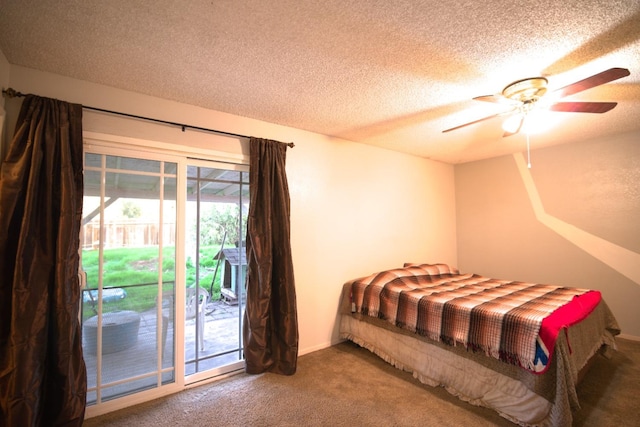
(12, 93)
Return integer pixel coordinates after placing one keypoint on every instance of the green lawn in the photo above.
(136, 271)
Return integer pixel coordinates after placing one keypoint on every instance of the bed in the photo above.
(517, 348)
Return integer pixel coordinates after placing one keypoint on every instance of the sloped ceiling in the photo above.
(391, 74)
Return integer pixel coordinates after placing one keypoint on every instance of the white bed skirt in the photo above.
(471, 381)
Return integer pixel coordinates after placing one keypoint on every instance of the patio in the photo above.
(136, 367)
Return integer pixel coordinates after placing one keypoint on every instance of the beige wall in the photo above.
(573, 219)
(354, 209)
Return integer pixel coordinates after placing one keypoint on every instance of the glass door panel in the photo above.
(128, 260)
(216, 211)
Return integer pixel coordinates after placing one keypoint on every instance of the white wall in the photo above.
(355, 209)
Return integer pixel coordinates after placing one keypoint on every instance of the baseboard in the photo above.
(307, 350)
(628, 337)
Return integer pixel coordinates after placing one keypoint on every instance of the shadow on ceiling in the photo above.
(624, 33)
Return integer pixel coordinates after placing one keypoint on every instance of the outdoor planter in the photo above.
(119, 331)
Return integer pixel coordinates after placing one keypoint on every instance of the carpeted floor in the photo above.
(346, 385)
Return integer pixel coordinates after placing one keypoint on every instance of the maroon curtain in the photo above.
(270, 320)
(42, 371)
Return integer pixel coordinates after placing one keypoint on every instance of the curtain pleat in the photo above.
(42, 371)
(270, 328)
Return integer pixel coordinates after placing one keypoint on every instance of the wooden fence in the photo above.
(125, 233)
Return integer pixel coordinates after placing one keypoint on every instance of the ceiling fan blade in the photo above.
(477, 121)
(583, 107)
(496, 99)
(596, 80)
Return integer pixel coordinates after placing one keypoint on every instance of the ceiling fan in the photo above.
(527, 95)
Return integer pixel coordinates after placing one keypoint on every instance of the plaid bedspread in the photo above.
(507, 320)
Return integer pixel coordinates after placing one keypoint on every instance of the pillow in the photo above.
(433, 269)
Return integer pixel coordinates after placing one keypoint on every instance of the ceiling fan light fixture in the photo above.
(513, 123)
(530, 122)
(539, 120)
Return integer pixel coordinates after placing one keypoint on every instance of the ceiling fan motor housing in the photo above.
(526, 90)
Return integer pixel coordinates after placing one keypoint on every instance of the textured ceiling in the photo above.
(392, 74)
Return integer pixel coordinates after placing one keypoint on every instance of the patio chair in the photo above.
(195, 306)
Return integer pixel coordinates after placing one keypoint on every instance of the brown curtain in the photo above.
(42, 371)
(270, 319)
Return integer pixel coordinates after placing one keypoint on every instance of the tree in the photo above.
(131, 210)
(221, 217)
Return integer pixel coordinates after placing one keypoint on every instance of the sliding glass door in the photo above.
(217, 206)
(163, 266)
